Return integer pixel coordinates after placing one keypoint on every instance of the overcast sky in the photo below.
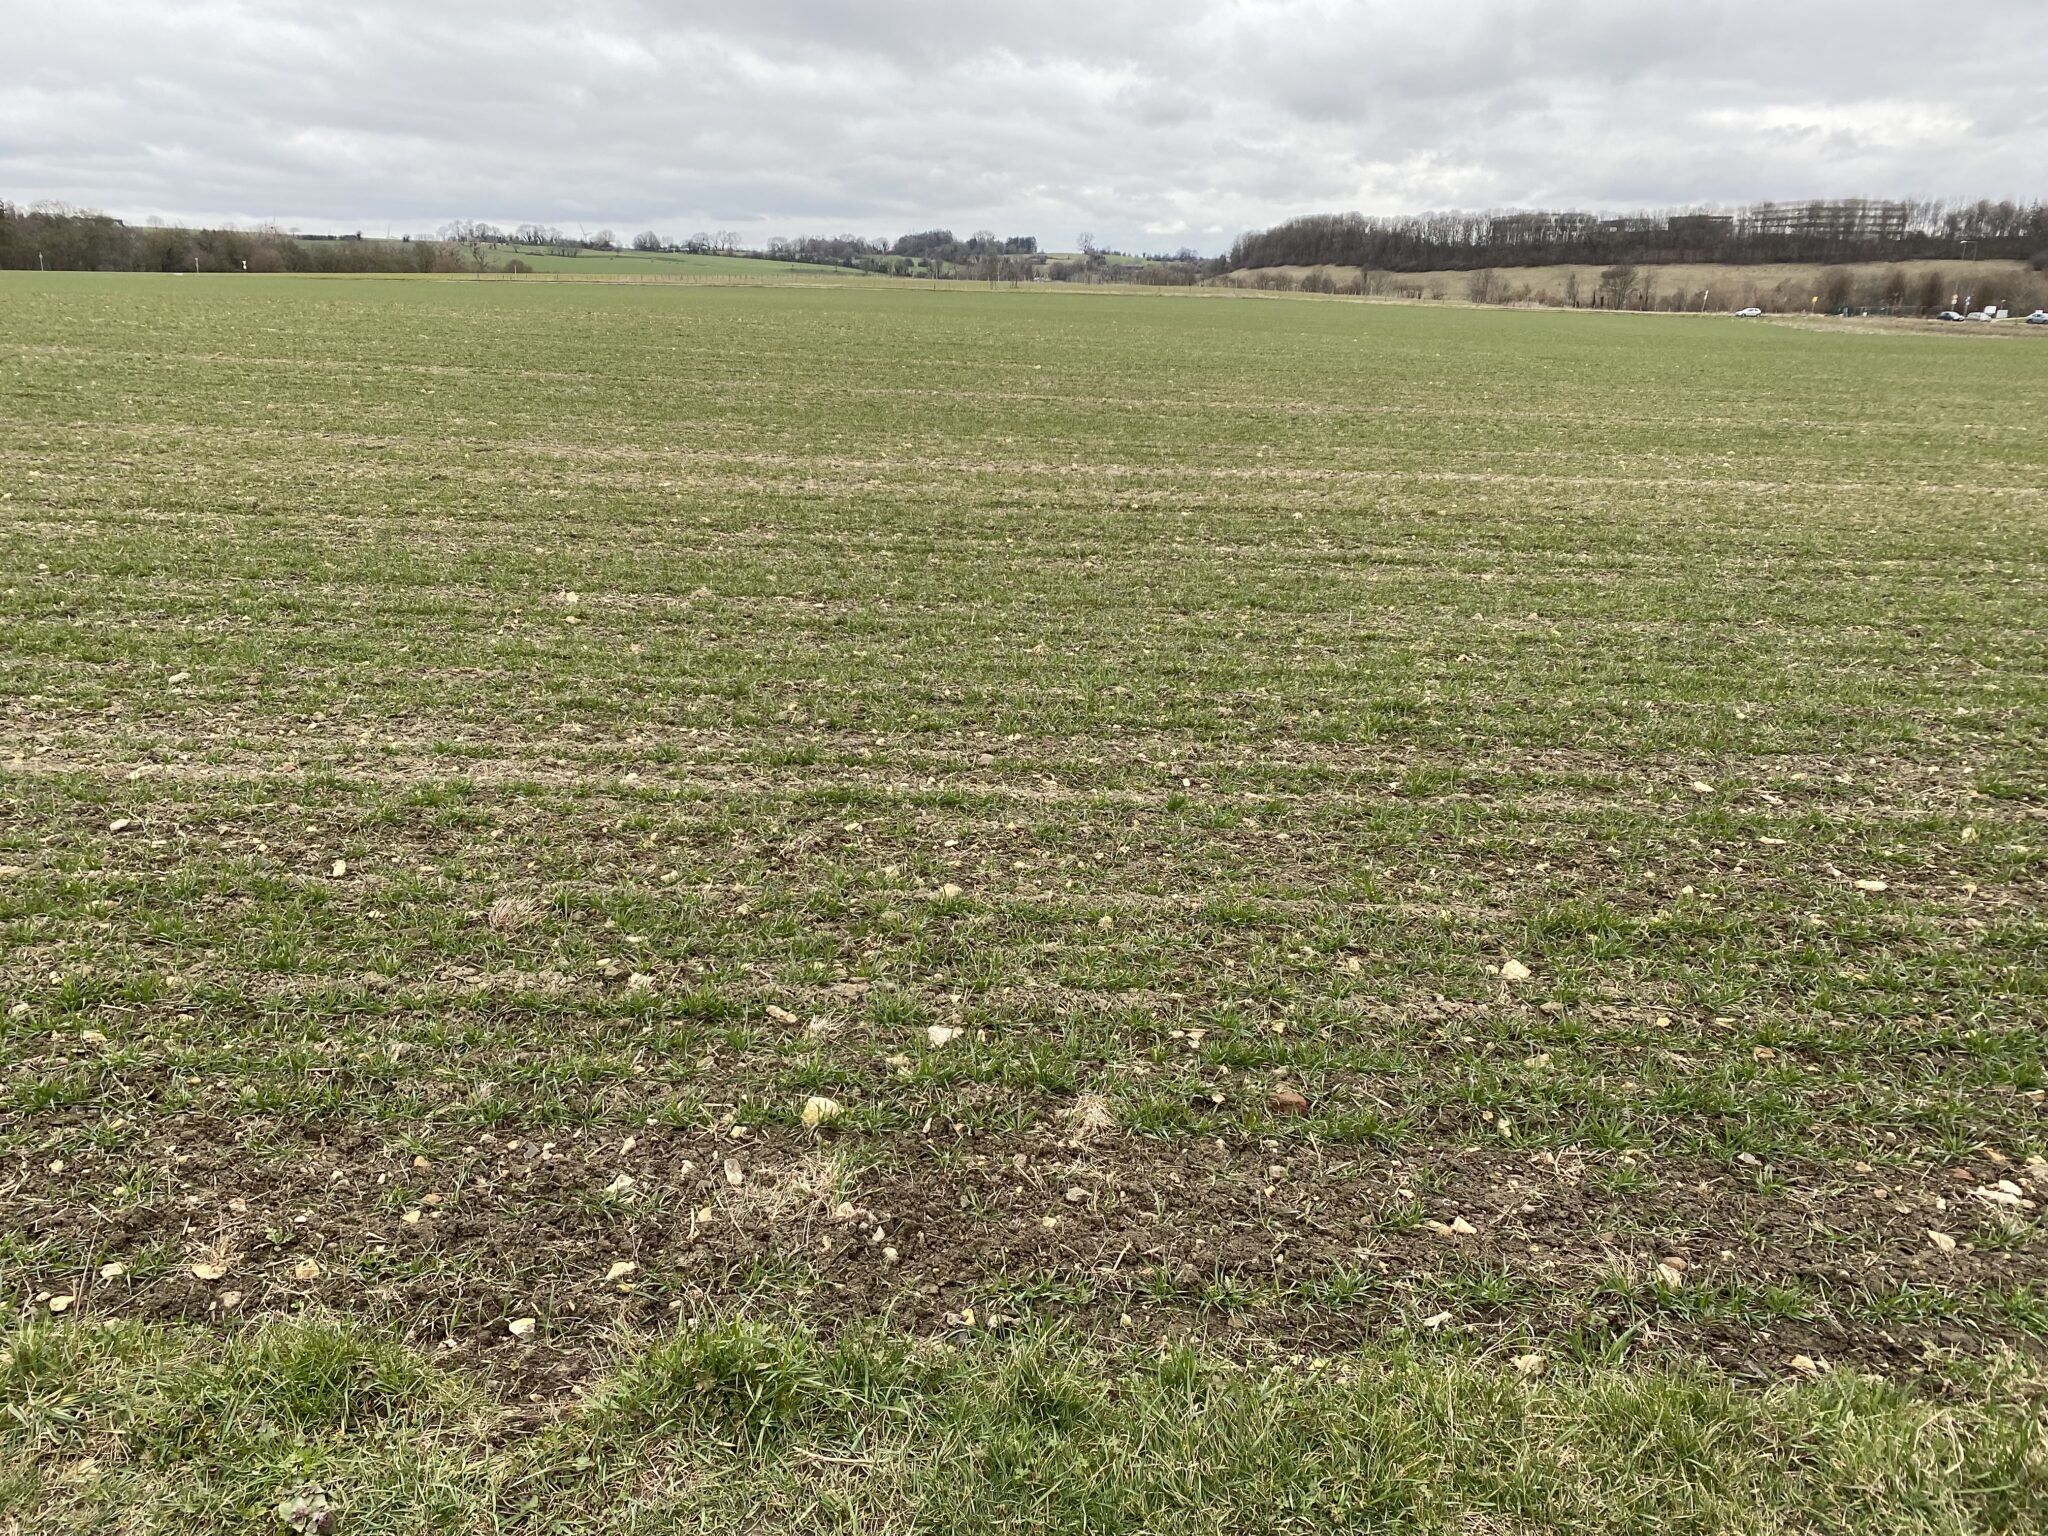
(1150, 123)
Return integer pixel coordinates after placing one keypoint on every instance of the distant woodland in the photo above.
(1844, 230)
(62, 239)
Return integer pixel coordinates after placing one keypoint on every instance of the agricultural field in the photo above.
(870, 908)
(684, 264)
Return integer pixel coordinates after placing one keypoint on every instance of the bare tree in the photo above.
(647, 240)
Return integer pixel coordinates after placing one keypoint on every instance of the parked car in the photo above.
(1948, 314)
(2038, 317)
(1750, 313)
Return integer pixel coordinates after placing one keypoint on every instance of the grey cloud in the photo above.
(1149, 123)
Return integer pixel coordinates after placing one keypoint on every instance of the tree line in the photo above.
(1840, 230)
(65, 239)
(58, 238)
(930, 252)
(924, 253)
(985, 256)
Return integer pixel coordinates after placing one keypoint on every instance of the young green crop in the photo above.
(478, 755)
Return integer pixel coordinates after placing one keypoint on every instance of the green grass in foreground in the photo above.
(752, 1427)
(476, 757)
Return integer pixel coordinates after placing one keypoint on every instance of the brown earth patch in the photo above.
(1277, 1244)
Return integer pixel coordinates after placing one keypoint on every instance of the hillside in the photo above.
(1780, 286)
(654, 263)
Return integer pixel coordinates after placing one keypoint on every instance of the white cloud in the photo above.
(1147, 122)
